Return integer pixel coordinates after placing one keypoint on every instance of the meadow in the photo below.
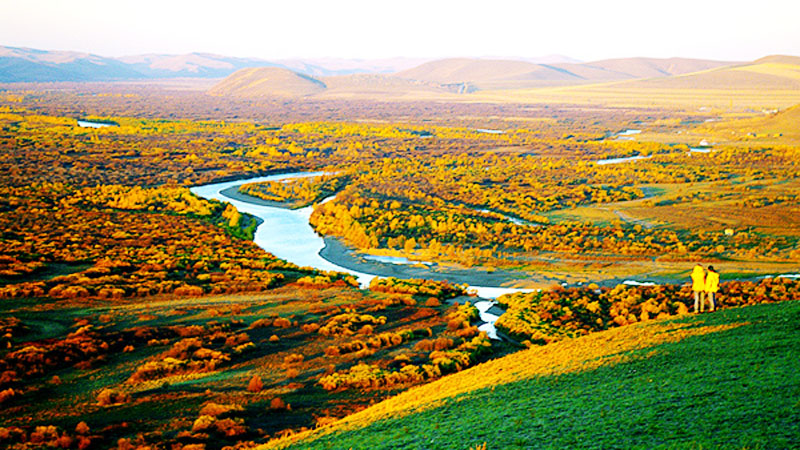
(725, 380)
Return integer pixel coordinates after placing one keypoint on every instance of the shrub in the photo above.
(261, 323)
(216, 409)
(282, 322)
(443, 343)
(310, 327)
(231, 427)
(203, 423)
(439, 289)
(82, 428)
(108, 397)
(7, 394)
(293, 358)
(348, 323)
(277, 404)
(44, 434)
(255, 384)
(433, 302)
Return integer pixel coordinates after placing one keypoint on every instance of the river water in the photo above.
(90, 124)
(602, 162)
(287, 234)
(284, 232)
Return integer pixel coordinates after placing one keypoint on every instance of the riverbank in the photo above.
(289, 236)
(233, 193)
(340, 254)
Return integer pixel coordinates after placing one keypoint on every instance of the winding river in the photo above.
(287, 234)
(284, 232)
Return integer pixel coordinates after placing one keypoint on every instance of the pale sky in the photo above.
(586, 30)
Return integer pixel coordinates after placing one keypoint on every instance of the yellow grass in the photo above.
(776, 69)
(574, 355)
(619, 95)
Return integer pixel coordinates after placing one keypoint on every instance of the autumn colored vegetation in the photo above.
(117, 248)
(548, 316)
(491, 209)
(136, 315)
(445, 194)
(265, 364)
(298, 192)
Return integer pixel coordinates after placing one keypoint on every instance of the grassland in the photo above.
(724, 380)
(756, 86)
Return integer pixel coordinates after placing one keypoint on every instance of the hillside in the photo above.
(780, 59)
(785, 122)
(485, 72)
(630, 68)
(768, 83)
(687, 382)
(782, 124)
(506, 74)
(772, 73)
(267, 82)
(369, 86)
(326, 67)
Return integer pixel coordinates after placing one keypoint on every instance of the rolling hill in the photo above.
(508, 74)
(267, 82)
(24, 64)
(326, 67)
(781, 124)
(779, 59)
(722, 380)
(373, 86)
(767, 83)
(276, 82)
(631, 68)
(772, 73)
(771, 82)
(486, 73)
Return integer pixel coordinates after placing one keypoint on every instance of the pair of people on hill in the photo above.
(707, 284)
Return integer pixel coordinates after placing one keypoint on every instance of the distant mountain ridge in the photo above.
(24, 64)
(401, 78)
(200, 65)
(18, 64)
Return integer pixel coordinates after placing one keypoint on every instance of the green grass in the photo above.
(737, 389)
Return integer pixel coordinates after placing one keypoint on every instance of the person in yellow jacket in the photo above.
(698, 285)
(711, 288)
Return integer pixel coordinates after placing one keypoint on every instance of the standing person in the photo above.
(712, 286)
(698, 286)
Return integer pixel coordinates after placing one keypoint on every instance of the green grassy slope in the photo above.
(736, 388)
